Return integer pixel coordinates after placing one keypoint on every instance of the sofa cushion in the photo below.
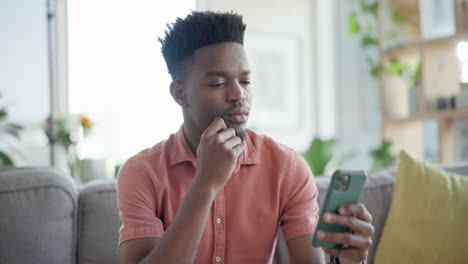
(38, 216)
(98, 223)
(427, 218)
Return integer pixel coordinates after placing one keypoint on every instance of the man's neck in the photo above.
(193, 137)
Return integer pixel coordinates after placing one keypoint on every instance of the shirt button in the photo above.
(218, 220)
(218, 259)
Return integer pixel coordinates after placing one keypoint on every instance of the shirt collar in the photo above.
(181, 152)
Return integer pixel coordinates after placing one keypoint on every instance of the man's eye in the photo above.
(245, 82)
(216, 84)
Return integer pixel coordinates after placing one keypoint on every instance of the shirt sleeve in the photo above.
(136, 201)
(300, 211)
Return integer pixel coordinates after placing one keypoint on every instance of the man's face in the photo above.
(217, 84)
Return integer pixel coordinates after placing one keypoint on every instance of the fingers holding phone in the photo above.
(356, 243)
(359, 210)
(344, 227)
(358, 240)
(355, 217)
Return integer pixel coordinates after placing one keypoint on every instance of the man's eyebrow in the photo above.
(224, 74)
(216, 73)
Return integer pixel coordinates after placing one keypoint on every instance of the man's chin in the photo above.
(241, 134)
(240, 130)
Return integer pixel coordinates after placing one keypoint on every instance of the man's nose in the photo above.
(236, 92)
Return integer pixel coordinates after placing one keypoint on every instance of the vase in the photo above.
(73, 162)
(96, 169)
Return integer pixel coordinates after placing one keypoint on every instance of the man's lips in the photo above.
(237, 118)
(237, 115)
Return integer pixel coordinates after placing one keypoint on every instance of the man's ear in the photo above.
(178, 93)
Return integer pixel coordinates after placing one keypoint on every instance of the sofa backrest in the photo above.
(37, 217)
(45, 219)
(98, 223)
(460, 168)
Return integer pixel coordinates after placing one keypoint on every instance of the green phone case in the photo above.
(336, 198)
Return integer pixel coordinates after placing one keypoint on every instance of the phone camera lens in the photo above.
(342, 182)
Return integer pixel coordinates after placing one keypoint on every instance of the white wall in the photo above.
(118, 76)
(24, 76)
(325, 59)
(358, 118)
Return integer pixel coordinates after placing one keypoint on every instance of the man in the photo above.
(216, 192)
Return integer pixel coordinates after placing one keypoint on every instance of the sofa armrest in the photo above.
(38, 220)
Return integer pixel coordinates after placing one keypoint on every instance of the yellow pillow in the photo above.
(428, 217)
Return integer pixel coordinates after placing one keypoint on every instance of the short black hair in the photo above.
(197, 30)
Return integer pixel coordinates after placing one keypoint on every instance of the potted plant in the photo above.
(7, 129)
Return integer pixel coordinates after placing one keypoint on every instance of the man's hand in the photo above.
(357, 242)
(217, 154)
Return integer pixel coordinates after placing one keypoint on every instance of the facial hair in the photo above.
(240, 132)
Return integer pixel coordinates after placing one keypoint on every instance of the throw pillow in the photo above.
(428, 217)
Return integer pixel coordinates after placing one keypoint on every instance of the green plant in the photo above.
(362, 23)
(355, 25)
(5, 160)
(415, 74)
(381, 155)
(405, 70)
(397, 67)
(10, 129)
(319, 154)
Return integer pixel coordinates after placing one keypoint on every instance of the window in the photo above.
(118, 76)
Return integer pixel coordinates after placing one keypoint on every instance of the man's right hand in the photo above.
(217, 155)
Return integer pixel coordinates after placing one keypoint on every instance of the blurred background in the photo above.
(347, 83)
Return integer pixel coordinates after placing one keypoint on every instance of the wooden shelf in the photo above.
(418, 43)
(405, 106)
(446, 114)
(400, 46)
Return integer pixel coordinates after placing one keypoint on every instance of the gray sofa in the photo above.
(46, 218)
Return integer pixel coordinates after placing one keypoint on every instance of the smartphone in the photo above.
(345, 188)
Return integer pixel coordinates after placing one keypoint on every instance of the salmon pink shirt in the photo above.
(271, 187)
